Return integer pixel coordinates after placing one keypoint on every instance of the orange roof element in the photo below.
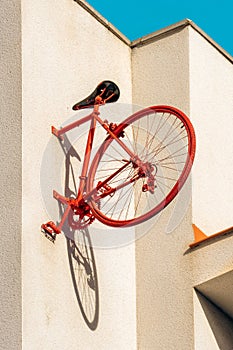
(200, 237)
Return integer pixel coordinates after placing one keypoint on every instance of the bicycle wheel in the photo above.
(131, 189)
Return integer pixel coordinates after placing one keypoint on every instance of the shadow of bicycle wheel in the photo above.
(84, 276)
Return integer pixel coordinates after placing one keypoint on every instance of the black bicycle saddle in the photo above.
(107, 90)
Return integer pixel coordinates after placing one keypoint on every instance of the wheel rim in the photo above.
(162, 137)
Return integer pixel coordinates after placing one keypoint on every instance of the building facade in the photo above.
(155, 292)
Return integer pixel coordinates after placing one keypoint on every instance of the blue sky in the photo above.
(137, 18)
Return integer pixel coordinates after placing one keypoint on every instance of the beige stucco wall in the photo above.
(160, 71)
(187, 70)
(211, 96)
(66, 52)
(213, 328)
(163, 275)
(10, 184)
(146, 288)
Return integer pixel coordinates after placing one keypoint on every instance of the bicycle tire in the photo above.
(153, 126)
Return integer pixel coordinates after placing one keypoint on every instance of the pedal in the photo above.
(50, 231)
(51, 237)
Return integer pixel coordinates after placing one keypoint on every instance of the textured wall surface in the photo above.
(161, 76)
(188, 72)
(160, 71)
(213, 328)
(10, 184)
(66, 53)
(211, 103)
(145, 288)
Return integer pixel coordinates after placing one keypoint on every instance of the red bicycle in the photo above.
(140, 167)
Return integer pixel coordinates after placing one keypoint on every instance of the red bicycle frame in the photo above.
(79, 204)
(87, 203)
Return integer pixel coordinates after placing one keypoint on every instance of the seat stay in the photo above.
(115, 137)
(95, 118)
(133, 158)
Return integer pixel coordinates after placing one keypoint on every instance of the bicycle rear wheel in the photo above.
(131, 190)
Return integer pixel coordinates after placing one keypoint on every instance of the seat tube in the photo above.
(87, 156)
